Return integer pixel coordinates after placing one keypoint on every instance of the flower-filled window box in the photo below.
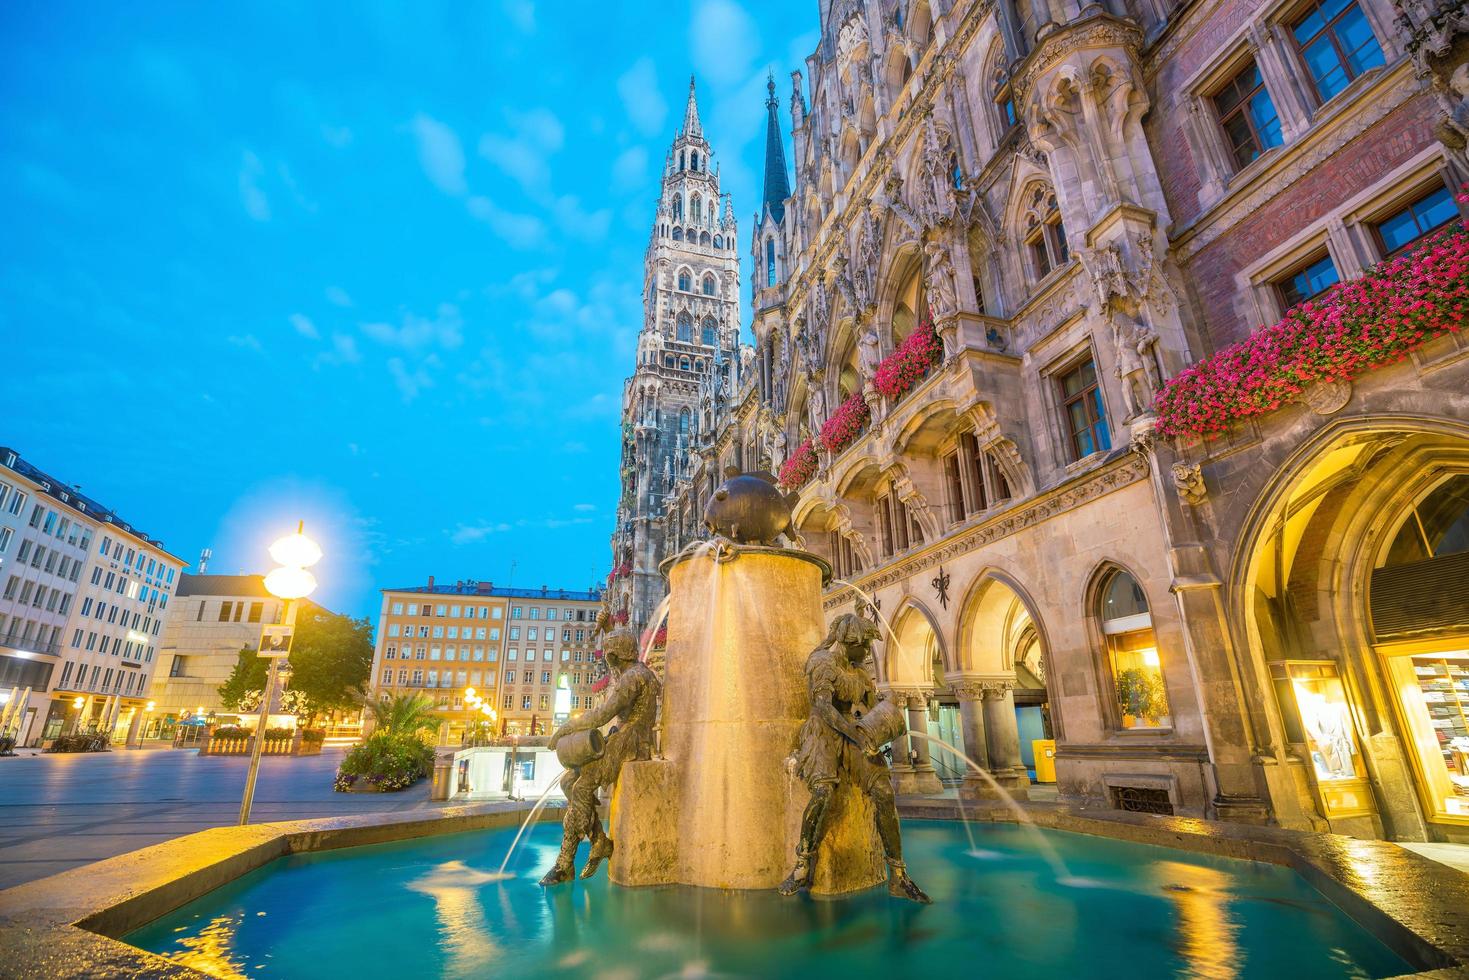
(845, 424)
(800, 468)
(1354, 327)
(905, 368)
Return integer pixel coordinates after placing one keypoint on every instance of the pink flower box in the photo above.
(905, 368)
(845, 424)
(1354, 327)
(800, 468)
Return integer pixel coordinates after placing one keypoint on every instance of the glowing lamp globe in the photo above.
(290, 583)
(296, 551)
(469, 692)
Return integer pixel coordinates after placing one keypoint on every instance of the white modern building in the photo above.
(82, 605)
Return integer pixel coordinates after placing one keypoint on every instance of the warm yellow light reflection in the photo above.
(1150, 656)
(296, 551)
(290, 583)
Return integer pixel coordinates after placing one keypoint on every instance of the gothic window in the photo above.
(719, 241)
(692, 235)
(680, 159)
(668, 360)
(685, 281)
(684, 364)
(685, 331)
(704, 239)
(1004, 100)
(770, 262)
(956, 174)
(1045, 236)
(708, 285)
(1132, 653)
(677, 207)
(683, 425)
(1247, 115)
(696, 208)
(1082, 410)
(678, 234)
(709, 334)
(1336, 43)
(694, 161)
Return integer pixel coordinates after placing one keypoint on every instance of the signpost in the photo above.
(275, 646)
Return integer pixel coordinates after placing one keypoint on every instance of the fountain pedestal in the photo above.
(721, 809)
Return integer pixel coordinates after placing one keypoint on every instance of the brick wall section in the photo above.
(1305, 585)
(1171, 150)
(1364, 160)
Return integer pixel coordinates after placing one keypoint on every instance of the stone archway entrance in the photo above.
(1355, 595)
(1000, 686)
(910, 659)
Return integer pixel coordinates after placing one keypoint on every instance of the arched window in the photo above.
(770, 262)
(708, 285)
(685, 331)
(694, 161)
(683, 425)
(685, 281)
(680, 159)
(668, 360)
(678, 234)
(684, 364)
(956, 173)
(719, 241)
(696, 209)
(1004, 101)
(677, 207)
(704, 239)
(710, 333)
(1437, 526)
(1045, 236)
(1132, 653)
(692, 235)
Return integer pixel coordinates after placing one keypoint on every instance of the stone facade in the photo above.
(1072, 199)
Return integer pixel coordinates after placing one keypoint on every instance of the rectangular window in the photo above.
(1081, 407)
(1336, 43)
(1248, 117)
(525, 702)
(509, 677)
(256, 608)
(17, 502)
(224, 611)
(1306, 281)
(1399, 231)
(5, 535)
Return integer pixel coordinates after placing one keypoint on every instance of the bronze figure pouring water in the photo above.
(841, 743)
(593, 762)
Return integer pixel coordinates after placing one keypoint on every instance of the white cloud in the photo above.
(525, 152)
(337, 296)
(521, 13)
(344, 351)
(304, 326)
(519, 231)
(256, 204)
(445, 329)
(411, 382)
(585, 507)
(724, 40)
(468, 534)
(638, 89)
(589, 226)
(248, 341)
(630, 169)
(440, 154)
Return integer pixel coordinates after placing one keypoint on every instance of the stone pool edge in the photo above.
(67, 924)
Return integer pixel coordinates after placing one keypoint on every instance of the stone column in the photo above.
(1003, 737)
(971, 728)
(920, 777)
(134, 728)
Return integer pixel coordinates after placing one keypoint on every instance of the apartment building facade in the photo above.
(513, 647)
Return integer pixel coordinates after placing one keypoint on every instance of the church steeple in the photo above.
(691, 127)
(777, 187)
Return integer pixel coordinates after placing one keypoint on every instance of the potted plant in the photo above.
(1140, 694)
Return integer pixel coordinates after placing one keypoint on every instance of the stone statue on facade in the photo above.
(943, 298)
(779, 449)
(1135, 368)
(841, 744)
(817, 405)
(631, 697)
(869, 356)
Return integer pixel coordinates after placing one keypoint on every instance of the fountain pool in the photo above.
(435, 907)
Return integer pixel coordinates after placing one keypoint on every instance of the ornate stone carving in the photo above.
(1115, 476)
(1327, 397)
(1188, 480)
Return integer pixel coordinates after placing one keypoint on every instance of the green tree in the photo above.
(331, 658)
(248, 675)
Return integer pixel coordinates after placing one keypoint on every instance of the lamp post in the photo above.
(291, 581)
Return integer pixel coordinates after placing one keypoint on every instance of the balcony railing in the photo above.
(17, 641)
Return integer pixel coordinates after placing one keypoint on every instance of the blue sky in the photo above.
(379, 270)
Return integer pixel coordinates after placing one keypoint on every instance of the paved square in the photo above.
(61, 811)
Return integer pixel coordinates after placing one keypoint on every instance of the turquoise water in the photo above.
(432, 908)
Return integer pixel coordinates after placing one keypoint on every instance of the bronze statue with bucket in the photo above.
(592, 761)
(841, 743)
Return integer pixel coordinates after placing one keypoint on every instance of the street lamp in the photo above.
(291, 582)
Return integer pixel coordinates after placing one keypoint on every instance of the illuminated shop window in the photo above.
(1132, 652)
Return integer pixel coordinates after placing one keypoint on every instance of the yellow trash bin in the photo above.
(1044, 750)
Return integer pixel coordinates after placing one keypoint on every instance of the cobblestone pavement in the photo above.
(61, 811)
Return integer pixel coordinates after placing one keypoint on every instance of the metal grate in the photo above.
(1420, 597)
(1142, 799)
